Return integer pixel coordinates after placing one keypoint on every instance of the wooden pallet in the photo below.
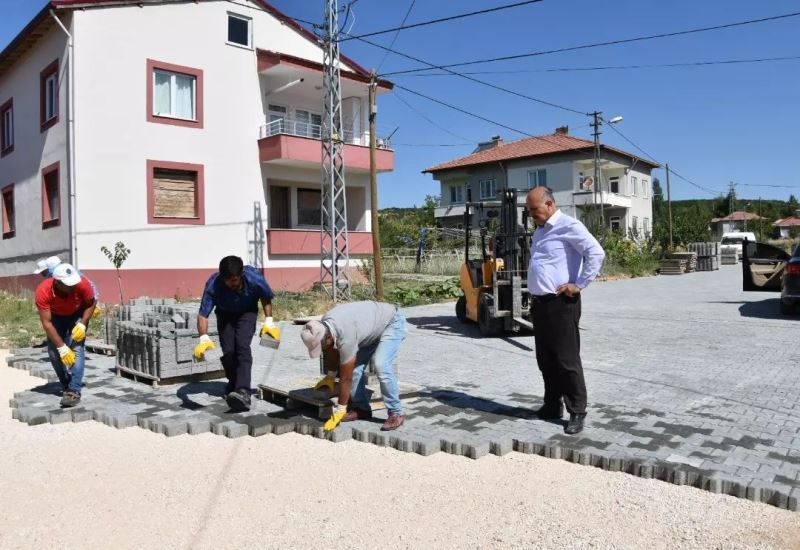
(155, 381)
(322, 400)
(97, 346)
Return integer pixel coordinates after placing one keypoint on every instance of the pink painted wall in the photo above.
(309, 150)
(299, 241)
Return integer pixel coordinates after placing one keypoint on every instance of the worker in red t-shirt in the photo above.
(66, 302)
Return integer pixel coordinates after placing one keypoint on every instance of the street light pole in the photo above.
(596, 122)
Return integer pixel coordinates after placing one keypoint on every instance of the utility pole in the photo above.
(669, 207)
(373, 186)
(760, 230)
(334, 243)
(597, 121)
(731, 198)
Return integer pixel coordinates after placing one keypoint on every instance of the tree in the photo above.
(791, 207)
(117, 258)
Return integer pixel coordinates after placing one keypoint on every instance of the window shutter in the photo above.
(174, 194)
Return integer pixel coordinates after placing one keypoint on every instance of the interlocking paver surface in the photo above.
(690, 380)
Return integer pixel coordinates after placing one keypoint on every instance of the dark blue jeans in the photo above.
(236, 332)
(70, 378)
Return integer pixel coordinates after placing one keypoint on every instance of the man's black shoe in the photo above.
(575, 424)
(239, 400)
(550, 412)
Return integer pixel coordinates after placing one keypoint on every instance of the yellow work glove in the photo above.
(67, 356)
(271, 329)
(336, 418)
(328, 382)
(78, 332)
(204, 345)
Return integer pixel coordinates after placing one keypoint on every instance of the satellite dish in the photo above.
(587, 182)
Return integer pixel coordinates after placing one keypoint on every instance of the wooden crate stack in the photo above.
(708, 255)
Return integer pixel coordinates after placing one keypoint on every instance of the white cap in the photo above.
(312, 335)
(66, 274)
(48, 264)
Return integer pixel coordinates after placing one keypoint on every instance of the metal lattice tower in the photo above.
(335, 249)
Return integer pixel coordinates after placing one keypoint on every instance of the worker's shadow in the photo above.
(445, 324)
(468, 402)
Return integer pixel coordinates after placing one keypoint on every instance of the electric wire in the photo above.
(603, 44)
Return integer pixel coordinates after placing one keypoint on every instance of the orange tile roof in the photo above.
(738, 216)
(791, 220)
(529, 147)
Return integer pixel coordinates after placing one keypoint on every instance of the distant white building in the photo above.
(187, 130)
(560, 161)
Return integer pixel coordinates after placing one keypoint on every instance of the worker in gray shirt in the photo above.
(352, 335)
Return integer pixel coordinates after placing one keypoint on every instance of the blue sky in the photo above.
(713, 124)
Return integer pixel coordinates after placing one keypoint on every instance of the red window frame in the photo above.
(9, 229)
(46, 73)
(6, 148)
(48, 220)
(152, 66)
(199, 196)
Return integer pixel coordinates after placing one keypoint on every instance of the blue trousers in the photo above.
(70, 378)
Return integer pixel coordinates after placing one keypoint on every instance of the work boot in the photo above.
(394, 421)
(239, 400)
(550, 412)
(357, 414)
(70, 399)
(575, 424)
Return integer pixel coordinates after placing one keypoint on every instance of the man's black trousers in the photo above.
(558, 349)
(236, 332)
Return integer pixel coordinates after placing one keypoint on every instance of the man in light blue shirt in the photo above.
(565, 258)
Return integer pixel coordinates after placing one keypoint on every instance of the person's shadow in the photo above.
(213, 388)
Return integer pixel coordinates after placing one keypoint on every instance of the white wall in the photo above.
(114, 138)
(34, 150)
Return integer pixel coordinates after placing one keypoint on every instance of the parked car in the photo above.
(766, 268)
(734, 240)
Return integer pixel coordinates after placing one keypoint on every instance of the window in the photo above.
(645, 191)
(239, 30)
(308, 124)
(6, 127)
(9, 218)
(488, 189)
(537, 178)
(277, 119)
(309, 202)
(615, 223)
(174, 94)
(613, 184)
(48, 96)
(51, 196)
(634, 225)
(646, 226)
(175, 193)
(456, 194)
(634, 183)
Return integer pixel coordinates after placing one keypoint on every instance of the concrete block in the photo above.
(172, 429)
(477, 450)
(60, 417)
(427, 447)
(502, 447)
(198, 426)
(340, 434)
(122, 421)
(235, 429)
(82, 415)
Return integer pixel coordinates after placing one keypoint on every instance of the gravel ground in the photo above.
(89, 486)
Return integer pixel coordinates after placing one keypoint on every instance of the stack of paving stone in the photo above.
(708, 255)
(729, 255)
(678, 263)
(155, 339)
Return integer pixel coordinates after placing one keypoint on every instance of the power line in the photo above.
(431, 121)
(673, 172)
(460, 110)
(607, 43)
(391, 44)
(483, 82)
(621, 67)
(442, 20)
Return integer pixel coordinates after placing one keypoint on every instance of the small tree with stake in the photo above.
(117, 258)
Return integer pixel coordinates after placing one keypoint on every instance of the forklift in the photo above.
(495, 285)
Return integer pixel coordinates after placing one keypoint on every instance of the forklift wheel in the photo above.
(461, 309)
(488, 325)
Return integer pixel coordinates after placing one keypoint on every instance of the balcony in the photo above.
(306, 242)
(449, 210)
(293, 142)
(588, 198)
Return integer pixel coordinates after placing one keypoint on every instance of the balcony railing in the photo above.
(301, 128)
